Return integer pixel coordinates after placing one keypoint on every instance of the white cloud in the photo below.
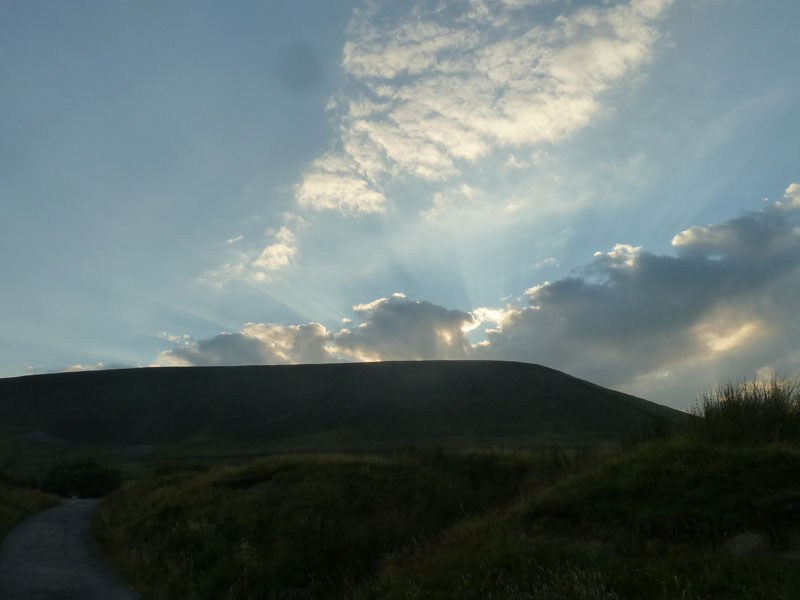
(261, 265)
(76, 368)
(440, 90)
(175, 339)
(279, 254)
(335, 181)
(451, 201)
(792, 196)
(392, 328)
(257, 343)
(663, 326)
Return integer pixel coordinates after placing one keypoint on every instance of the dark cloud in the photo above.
(256, 344)
(727, 304)
(222, 350)
(397, 328)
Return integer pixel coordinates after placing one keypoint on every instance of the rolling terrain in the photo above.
(163, 413)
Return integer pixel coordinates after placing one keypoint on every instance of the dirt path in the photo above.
(52, 557)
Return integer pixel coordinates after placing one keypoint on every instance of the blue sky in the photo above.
(606, 188)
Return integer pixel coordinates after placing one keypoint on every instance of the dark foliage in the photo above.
(749, 412)
(336, 407)
(85, 479)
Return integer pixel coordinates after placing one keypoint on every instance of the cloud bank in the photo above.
(663, 326)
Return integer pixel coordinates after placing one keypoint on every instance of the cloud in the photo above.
(726, 304)
(77, 368)
(256, 344)
(439, 87)
(397, 328)
(431, 89)
(666, 327)
(392, 328)
(792, 196)
(335, 181)
(277, 255)
(453, 201)
(260, 265)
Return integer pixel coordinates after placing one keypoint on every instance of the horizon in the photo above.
(611, 191)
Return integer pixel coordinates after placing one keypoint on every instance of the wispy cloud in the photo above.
(277, 255)
(77, 368)
(260, 265)
(433, 88)
(441, 87)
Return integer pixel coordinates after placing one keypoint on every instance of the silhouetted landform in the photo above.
(323, 407)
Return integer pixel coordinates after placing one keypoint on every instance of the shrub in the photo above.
(86, 479)
(749, 412)
(18, 501)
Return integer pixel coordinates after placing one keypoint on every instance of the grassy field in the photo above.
(305, 526)
(18, 502)
(652, 524)
(137, 420)
(696, 513)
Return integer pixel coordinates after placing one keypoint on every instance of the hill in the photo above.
(352, 406)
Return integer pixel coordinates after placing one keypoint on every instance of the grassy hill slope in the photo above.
(670, 519)
(323, 407)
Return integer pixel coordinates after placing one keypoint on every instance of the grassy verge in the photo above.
(708, 512)
(651, 524)
(18, 502)
(304, 526)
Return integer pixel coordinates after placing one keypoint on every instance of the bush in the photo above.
(749, 412)
(85, 479)
(18, 502)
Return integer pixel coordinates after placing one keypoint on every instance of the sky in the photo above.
(607, 188)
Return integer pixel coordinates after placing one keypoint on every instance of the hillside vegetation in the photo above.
(18, 501)
(693, 515)
(137, 419)
(358, 404)
(305, 526)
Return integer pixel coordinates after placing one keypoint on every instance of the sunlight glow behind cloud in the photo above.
(627, 319)
(309, 159)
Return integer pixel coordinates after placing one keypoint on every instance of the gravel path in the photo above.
(51, 556)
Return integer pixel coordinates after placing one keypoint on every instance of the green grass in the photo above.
(304, 526)
(18, 502)
(649, 524)
(652, 521)
(749, 412)
(678, 490)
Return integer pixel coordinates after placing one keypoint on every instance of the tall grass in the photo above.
(650, 524)
(17, 502)
(749, 412)
(312, 526)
